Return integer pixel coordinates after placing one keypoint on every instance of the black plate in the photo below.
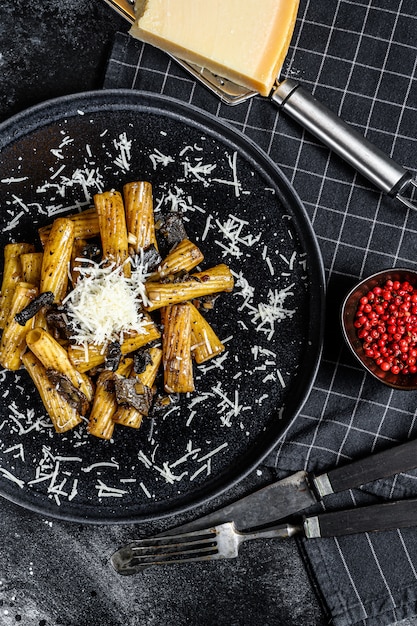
(54, 157)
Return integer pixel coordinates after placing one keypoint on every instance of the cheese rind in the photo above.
(245, 41)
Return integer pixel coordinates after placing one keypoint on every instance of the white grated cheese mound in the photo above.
(105, 304)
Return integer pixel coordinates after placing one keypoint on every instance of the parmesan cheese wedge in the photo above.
(244, 41)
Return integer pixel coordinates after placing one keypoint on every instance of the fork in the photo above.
(218, 542)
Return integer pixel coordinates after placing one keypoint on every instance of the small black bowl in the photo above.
(348, 313)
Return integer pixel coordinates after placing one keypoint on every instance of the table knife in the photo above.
(301, 490)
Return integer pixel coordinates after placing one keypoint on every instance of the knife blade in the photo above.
(301, 490)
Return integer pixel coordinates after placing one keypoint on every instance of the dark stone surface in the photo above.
(52, 48)
(54, 573)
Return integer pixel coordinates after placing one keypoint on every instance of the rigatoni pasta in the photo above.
(176, 348)
(214, 280)
(113, 231)
(53, 356)
(140, 220)
(13, 341)
(55, 259)
(205, 344)
(105, 405)
(184, 257)
(63, 415)
(85, 223)
(12, 274)
(94, 318)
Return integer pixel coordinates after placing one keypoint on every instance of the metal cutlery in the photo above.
(301, 490)
(296, 493)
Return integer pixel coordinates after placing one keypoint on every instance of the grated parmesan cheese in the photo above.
(105, 304)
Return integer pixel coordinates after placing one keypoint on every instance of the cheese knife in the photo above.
(344, 140)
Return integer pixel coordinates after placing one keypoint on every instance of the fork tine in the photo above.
(165, 548)
(172, 542)
(173, 548)
(133, 567)
(140, 554)
(193, 546)
(128, 559)
(196, 553)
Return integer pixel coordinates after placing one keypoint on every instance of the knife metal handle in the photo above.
(343, 139)
(383, 464)
(375, 517)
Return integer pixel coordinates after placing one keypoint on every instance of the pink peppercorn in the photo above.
(386, 323)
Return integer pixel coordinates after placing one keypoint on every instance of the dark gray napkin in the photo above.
(359, 58)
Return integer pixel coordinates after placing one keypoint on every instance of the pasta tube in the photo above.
(205, 344)
(148, 376)
(54, 357)
(62, 414)
(127, 415)
(105, 405)
(85, 225)
(77, 249)
(13, 341)
(85, 358)
(31, 267)
(176, 349)
(113, 231)
(184, 257)
(213, 280)
(56, 258)
(12, 274)
(139, 215)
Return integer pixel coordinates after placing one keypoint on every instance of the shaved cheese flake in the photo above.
(198, 169)
(199, 471)
(74, 490)
(18, 449)
(8, 181)
(145, 490)
(213, 452)
(11, 477)
(113, 463)
(104, 491)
